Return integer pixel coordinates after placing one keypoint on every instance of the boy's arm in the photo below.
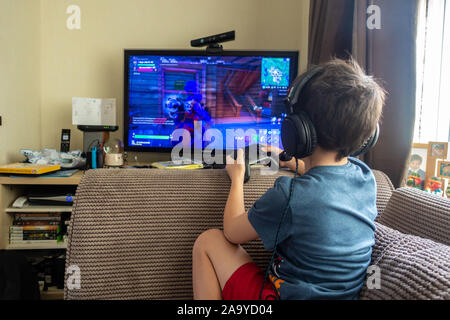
(236, 226)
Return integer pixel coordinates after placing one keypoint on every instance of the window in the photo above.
(433, 72)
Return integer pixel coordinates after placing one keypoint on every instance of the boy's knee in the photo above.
(207, 238)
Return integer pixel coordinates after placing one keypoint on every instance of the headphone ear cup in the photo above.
(298, 135)
(290, 135)
(310, 140)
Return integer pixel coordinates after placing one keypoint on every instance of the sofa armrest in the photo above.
(410, 267)
(384, 191)
(418, 213)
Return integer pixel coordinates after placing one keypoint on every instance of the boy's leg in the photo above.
(214, 260)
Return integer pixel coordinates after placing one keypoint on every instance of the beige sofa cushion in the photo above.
(410, 267)
(384, 191)
(419, 213)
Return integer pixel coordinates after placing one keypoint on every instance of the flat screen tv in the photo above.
(173, 89)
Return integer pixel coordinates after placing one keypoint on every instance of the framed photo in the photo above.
(438, 150)
(417, 165)
(443, 169)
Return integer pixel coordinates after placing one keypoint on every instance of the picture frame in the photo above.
(443, 169)
(436, 151)
(417, 166)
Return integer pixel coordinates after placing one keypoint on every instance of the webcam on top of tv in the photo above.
(213, 43)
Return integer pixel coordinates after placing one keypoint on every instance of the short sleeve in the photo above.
(265, 214)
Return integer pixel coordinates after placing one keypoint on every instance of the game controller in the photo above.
(284, 157)
(250, 157)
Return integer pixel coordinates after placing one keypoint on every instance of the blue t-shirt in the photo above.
(325, 241)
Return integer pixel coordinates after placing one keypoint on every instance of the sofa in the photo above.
(132, 231)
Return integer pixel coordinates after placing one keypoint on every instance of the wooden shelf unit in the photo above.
(13, 187)
(73, 180)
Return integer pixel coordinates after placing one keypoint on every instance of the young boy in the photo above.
(325, 242)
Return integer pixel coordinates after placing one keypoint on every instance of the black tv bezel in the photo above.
(143, 52)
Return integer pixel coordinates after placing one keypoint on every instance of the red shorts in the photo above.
(245, 284)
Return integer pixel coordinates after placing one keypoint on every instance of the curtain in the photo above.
(330, 25)
(389, 55)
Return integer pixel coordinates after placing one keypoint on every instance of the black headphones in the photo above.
(298, 134)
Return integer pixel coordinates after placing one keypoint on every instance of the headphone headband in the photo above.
(299, 84)
(370, 143)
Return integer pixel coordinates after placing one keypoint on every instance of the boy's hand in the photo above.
(236, 168)
(272, 149)
(285, 164)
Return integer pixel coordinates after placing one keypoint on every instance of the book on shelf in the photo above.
(50, 235)
(186, 164)
(36, 223)
(33, 228)
(28, 168)
(25, 242)
(37, 216)
(33, 236)
(20, 240)
(30, 232)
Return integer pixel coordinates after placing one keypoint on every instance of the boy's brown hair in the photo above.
(344, 105)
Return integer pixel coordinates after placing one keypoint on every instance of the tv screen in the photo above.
(170, 90)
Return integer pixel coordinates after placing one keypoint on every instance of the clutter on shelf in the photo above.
(67, 160)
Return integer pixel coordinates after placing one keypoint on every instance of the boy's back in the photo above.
(326, 238)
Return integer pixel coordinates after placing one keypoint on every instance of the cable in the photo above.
(92, 142)
(291, 189)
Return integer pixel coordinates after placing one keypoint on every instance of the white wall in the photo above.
(20, 90)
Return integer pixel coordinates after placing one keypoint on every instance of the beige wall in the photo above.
(19, 78)
(89, 62)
